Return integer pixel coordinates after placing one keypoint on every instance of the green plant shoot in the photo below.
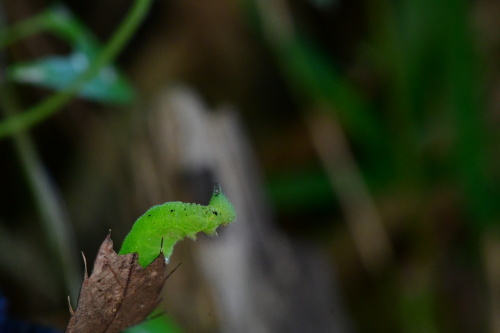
(164, 225)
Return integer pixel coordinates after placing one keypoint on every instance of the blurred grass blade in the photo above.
(471, 148)
(315, 77)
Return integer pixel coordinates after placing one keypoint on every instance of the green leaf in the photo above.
(159, 324)
(55, 72)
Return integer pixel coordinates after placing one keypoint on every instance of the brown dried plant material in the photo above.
(118, 294)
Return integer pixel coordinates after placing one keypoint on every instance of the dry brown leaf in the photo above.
(118, 294)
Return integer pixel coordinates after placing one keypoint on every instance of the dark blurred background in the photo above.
(357, 140)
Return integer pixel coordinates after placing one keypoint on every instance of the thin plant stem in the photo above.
(55, 222)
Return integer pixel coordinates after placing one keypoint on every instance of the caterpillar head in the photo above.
(223, 206)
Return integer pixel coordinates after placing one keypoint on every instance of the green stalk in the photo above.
(55, 222)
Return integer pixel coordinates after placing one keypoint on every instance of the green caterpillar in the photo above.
(163, 225)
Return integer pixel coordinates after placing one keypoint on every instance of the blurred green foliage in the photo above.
(424, 129)
(429, 124)
(58, 72)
